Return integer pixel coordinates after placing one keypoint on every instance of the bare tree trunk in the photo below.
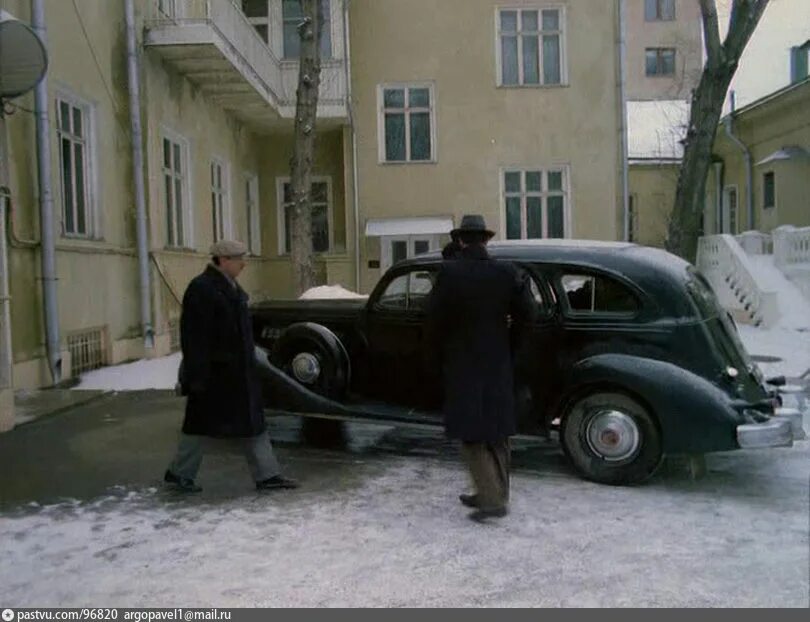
(306, 109)
(707, 105)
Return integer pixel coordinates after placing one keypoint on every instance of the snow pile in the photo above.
(324, 292)
(158, 373)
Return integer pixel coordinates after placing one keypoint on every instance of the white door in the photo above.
(400, 247)
(730, 210)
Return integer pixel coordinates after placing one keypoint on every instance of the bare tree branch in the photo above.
(745, 15)
(711, 31)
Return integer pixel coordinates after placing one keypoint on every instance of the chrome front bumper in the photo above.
(779, 431)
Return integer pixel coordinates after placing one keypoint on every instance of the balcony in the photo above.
(212, 43)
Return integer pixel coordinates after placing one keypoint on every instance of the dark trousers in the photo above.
(488, 464)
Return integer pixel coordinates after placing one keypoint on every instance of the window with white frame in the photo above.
(74, 134)
(175, 185)
(659, 10)
(660, 61)
(219, 200)
(321, 193)
(291, 15)
(535, 203)
(530, 43)
(258, 14)
(406, 123)
(254, 231)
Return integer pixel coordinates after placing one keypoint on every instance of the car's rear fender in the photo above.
(694, 415)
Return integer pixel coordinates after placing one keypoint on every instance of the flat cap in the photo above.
(227, 248)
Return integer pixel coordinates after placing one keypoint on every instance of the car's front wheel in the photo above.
(611, 438)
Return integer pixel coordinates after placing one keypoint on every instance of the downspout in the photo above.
(46, 217)
(6, 350)
(718, 181)
(623, 123)
(749, 166)
(137, 177)
(356, 193)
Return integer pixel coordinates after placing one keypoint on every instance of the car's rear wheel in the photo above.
(611, 438)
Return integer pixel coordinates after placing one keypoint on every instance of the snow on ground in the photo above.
(329, 291)
(157, 373)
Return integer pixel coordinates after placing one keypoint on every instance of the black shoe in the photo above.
(182, 484)
(471, 501)
(481, 515)
(276, 482)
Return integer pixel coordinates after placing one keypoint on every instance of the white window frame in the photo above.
(407, 111)
(264, 20)
(387, 242)
(185, 178)
(543, 194)
(220, 199)
(562, 32)
(281, 212)
(659, 63)
(92, 217)
(253, 213)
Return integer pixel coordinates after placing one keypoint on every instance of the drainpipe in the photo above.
(623, 123)
(137, 177)
(718, 181)
(46, 217)
(749, 166)
(6, 351)
(356, 194)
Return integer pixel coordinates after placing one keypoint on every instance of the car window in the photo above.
(408, 291)
(588, 293)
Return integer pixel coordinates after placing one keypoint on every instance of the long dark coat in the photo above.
(219, 373)
(468, 325)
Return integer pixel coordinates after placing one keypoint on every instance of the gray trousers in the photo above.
(488, 464)
(257, 449)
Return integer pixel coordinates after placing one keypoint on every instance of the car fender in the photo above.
(321, 335)
(695, 416)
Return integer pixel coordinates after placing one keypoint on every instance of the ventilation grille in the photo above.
(87, 351)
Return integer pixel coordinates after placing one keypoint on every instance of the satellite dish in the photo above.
(23, 59)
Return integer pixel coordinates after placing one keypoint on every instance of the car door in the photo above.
(395, 331)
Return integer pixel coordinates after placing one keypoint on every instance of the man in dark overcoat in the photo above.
(479, 311)
(219, 374)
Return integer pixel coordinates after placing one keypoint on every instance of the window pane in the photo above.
(528, 21)
(288, 218)
(169, 218)
(395, 137)
(394, 296)
(650, 10)
(394, 98)
(651, 62)
(320, 192)
(531, 69)
(420, 136)
(254, 8)
(668, 9)
(288, 193)
(326, 40)
(534, 217)
(178, 211)
(578, 291)
(67, 185)
(509, 21)
(167, 154)
(419, 98)
(262, 30)
(64, 117)
(668, 62)
(509, 60)
(555, 180)
(420, 246)
(511, 182)
(320, 229)
(214, 218)
(769, 190)
(613, 297)
(78, 130)
(551, 20)
(551, 59)
(555, 215)
(81, 224)
(291, 8)
(513, 218)
(292, 42)
(399, 251)
(534, 181)
(177, 159)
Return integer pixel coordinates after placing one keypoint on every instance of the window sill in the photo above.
(533, 86)
(325, 62)
(406, 162)
(668, 76)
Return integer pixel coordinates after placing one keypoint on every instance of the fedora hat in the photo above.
(472, 223)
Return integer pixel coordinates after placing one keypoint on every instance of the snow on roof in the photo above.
(655, 128)
(790, 152)
(428, 225)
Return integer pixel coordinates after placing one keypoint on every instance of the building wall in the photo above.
(683, 33)
(652, 191)
(482, 128)
(765, 129)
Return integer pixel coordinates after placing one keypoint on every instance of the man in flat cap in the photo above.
(219, 375)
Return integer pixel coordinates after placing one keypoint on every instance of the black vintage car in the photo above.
(631, 358)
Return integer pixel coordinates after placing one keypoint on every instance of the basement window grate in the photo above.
(87, 351)
(174, 334)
